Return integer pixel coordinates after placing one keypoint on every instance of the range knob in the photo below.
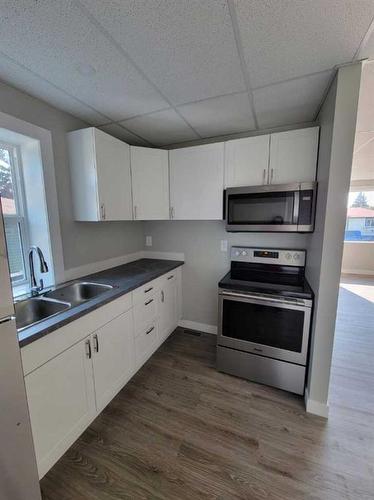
(237, 253)
(288, 255)
(296, 256)
(244, 253)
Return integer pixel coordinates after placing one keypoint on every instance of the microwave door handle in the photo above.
(296, 207)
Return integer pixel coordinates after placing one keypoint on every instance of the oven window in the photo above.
(266, 325)
(261, 208)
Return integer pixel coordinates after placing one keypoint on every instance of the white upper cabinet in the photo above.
(100, 176)
(247, 161)
(293, 156)
(196, 182)
(150, 183)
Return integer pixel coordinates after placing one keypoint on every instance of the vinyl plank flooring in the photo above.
(180, 430)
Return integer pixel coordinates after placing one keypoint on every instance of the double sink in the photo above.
(36, 309)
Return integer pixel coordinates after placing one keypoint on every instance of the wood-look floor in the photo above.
(181, 430)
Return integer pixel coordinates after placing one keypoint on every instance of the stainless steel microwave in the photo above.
(271, 208)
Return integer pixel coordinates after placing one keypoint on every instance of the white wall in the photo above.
(338, 123)
(358, 258)
(82, 243)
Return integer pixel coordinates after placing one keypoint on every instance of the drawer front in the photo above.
(146, 343)
(169, 277)
(146, 291)
(145, 313)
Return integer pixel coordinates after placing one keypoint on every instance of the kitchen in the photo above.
(149, 244)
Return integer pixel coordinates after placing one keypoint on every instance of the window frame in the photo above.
(20, 217)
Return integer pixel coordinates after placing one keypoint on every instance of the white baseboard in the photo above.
(200, 327)
(315, 407)
(95, 267)
(149, 254)
(365, 272)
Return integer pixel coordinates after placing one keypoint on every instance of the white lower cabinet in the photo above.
(74, 372)
(112, 357)
(168, 306)
(61, 400)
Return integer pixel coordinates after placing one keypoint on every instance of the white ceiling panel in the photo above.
(186, 47)
(283, 39)
(219, 115)
(294, 101)
(125, 135)
(365, 115)
(161, 128)
(59, 43)
(25, 80)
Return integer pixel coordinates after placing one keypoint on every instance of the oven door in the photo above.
(272, 327)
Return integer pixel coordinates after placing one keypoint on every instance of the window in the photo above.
(13, 207)
(360, 216)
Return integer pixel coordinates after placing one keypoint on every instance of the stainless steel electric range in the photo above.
(264, 316)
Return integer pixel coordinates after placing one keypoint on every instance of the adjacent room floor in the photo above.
(181, 430)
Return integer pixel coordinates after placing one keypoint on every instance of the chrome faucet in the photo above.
(35, 288)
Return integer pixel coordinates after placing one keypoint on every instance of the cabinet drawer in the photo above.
(145, 313)
(146, 291)
(169, 277)
(145, 343)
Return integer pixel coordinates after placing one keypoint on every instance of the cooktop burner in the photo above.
(270, 271)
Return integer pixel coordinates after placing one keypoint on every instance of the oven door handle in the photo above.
(265, 298)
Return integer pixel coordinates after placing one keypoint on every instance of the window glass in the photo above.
(360, 216)
(12, 207)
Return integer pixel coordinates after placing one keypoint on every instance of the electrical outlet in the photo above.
(148, 241)
(224, 245)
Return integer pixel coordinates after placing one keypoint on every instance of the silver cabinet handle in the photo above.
(96, 344)
(148, 289)
(170, 277)
(87, 346)
(150, 330)
(148, 302)
(162, 296)
(102, 209)
(135, 211)
(271, 175)
(264, 177)
(171, 212)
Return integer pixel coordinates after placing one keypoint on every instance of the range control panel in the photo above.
(284, 257)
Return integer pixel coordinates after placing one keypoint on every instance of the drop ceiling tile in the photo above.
(362, 140)
(123, 134)
(24, 80)
(186, 47)
(290, 102)
(283, 39)
(58, 42)
(365, 114)
(219, 115)
(161, 128)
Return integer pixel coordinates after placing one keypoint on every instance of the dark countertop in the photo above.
(123, 278)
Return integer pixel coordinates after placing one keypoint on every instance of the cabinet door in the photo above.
(196, 182)
(293, 156)
(113, 177)
(113, 357)
(168, 307)
(61, 402)
(247, 161)
(150, 183)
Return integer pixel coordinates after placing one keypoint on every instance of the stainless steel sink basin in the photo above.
(35, 309)
(79, 292)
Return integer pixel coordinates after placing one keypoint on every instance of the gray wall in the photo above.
(205, 263)
(83, 243)
(338, 123)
